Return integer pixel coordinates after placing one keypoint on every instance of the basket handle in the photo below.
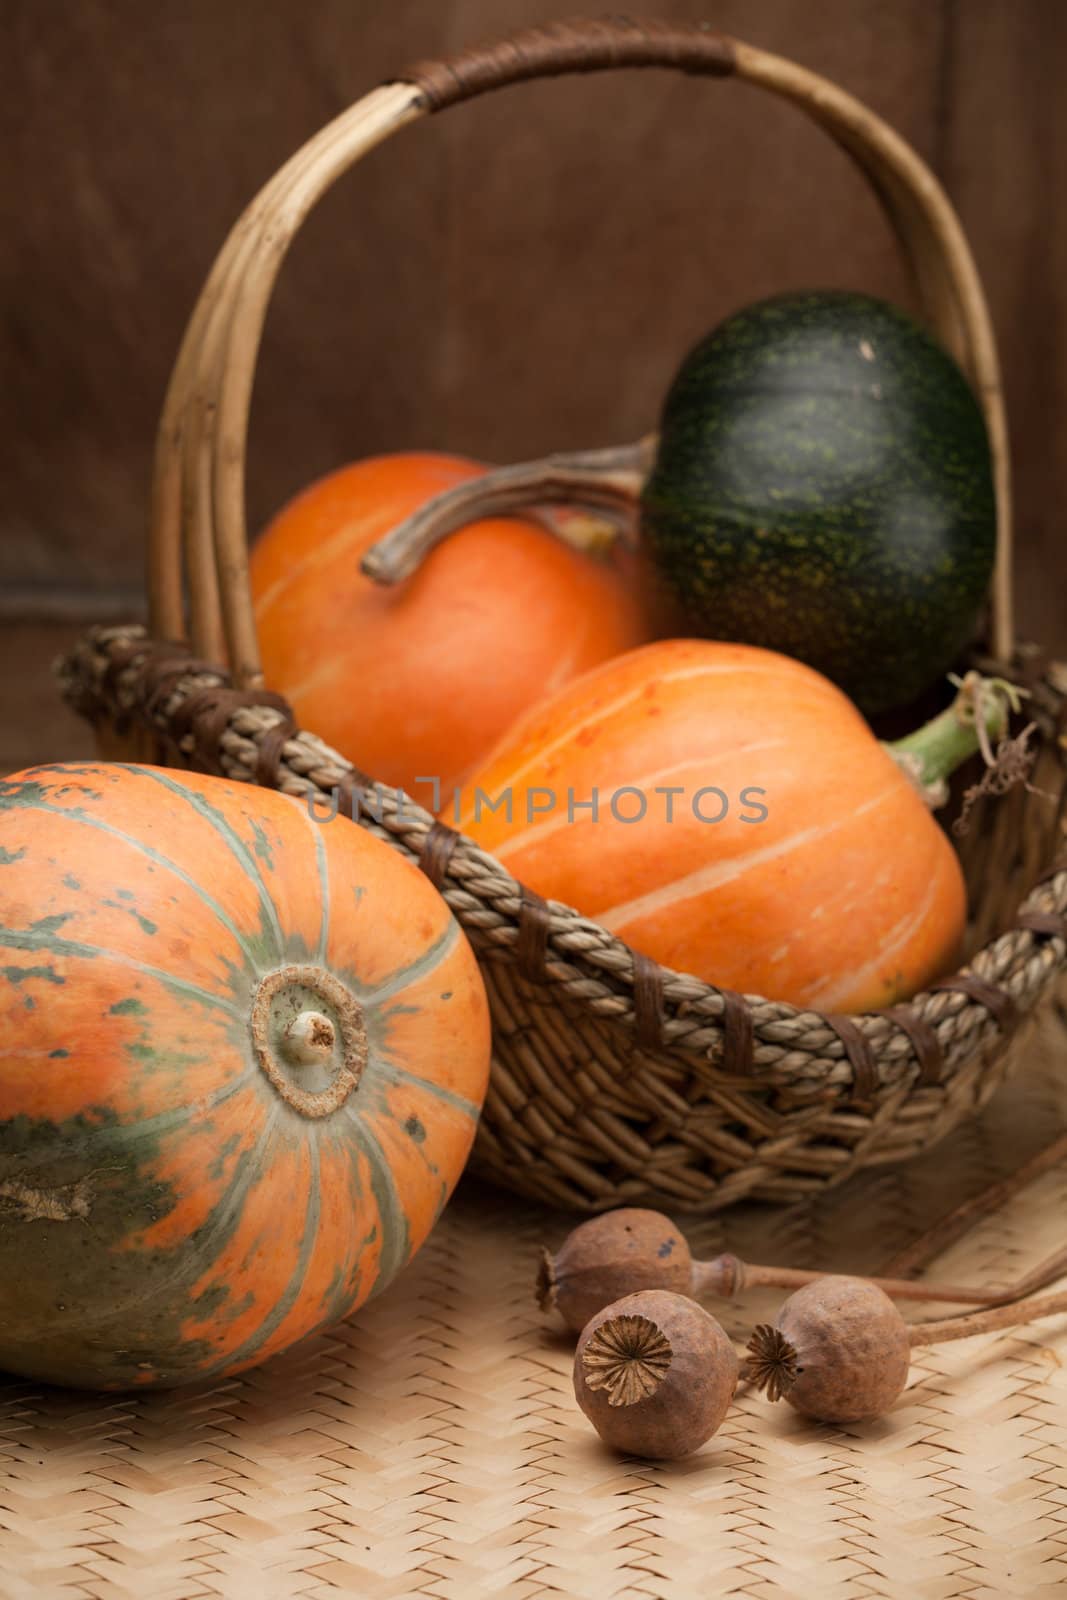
(579, 44)
(198, 538)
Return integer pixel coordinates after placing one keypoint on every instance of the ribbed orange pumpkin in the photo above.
(420, 680)
(244, 1054)
(800, 862)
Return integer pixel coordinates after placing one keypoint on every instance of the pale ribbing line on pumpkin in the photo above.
(645, 782)
(597, 711)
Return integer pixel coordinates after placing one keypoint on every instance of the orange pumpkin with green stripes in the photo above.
(244, 1053)
(793, 859)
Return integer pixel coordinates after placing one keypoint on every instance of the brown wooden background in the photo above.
(522, 273)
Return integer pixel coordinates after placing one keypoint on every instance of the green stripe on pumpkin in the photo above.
(396, 1236)
(399, 1077)
(232, 839)
(223, 1220)
(97, 1136)
(77, 814)
(41, 939)
(324, 887)
(422, 965)
(250, 1349)
(197, 1255)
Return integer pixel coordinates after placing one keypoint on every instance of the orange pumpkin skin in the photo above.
(418, 681)
(845, 896)
(244, 1054)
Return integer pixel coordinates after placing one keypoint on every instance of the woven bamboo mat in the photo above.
(432, 1447)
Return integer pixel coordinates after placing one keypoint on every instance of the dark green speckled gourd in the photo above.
(823, 487)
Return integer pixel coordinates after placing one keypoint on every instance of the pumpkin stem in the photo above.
(588, 481)
(978, 715)
(309, 1035)
(309, 1039)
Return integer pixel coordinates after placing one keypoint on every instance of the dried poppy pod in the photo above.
(618, 1253)
(624, 1251)
(839, 1351)
(655, 1374)
(839, 1348)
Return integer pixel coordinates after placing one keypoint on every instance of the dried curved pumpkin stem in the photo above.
(592, 480)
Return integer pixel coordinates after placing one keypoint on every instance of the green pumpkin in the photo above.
(823, 486)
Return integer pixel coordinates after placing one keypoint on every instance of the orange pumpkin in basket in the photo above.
(420, 680)
(794, 858)
(244, 1055)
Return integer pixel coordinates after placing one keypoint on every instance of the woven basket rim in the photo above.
(119, 676)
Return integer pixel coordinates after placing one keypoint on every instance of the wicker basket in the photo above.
(614, 1080)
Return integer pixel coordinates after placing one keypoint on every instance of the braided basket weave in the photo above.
(614, 1080)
